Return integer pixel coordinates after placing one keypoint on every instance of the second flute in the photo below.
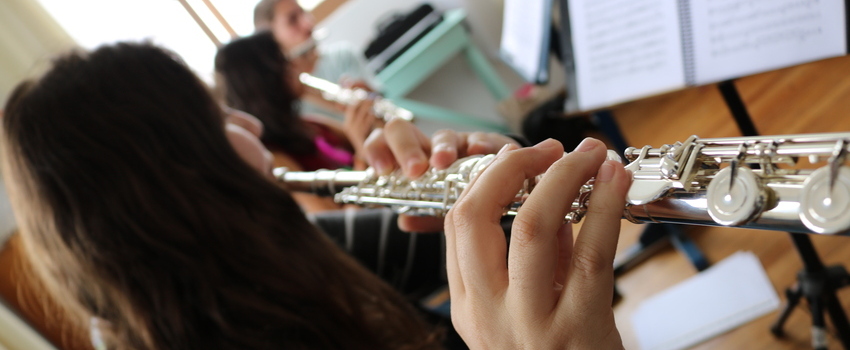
(382, 108)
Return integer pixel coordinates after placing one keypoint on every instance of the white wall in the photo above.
(28, 37)
(7, 221)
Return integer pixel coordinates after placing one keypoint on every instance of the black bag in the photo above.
(548, 121)
(398, 33)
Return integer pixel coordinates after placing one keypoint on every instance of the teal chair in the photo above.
(431, 52)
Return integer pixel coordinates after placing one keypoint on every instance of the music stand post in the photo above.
(816, 282)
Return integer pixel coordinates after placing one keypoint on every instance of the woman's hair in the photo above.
(134, 209)
(252, 72)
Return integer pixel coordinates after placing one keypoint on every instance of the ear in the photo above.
(244, 120)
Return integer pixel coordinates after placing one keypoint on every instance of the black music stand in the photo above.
(816, 282)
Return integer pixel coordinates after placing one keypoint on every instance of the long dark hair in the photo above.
(135, 209)
(252, 72)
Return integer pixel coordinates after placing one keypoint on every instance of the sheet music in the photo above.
(625, 49)
(734, 38)
(733, 292)
(525, 38)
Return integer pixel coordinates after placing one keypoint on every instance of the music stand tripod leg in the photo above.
(792, 296)
(818, 284)
(818, 323)
(839, 319)
(687, 247)
(838, 278)
(654, 238)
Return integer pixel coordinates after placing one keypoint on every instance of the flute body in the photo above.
(738, 182)
(382, 108)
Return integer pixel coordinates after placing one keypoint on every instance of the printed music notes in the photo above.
(627, 49)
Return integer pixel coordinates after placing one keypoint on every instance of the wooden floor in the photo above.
(805, 99)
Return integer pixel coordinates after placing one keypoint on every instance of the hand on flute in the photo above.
(349, 83)
(400, 144)
(359, 122)
(551, 292)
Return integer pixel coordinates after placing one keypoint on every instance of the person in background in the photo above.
(150, 223)
(253, 77)
(337, 62)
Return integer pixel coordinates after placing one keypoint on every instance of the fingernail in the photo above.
(547, 143)
(413, 163)
(586, 145)
(613, 155)
(606, 172)
(504, 149)
(487, 145)
(382, 167)
(442, 147)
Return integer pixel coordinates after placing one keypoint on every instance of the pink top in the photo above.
(331, 151)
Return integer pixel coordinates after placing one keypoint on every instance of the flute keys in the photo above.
(822, 210)
(738, 204)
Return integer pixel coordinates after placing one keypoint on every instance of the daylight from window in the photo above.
(164, 22)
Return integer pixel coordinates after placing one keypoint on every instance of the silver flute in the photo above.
(752, 182)
(382, 108)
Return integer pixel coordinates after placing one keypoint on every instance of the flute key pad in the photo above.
(738, 205)
(822, 210)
